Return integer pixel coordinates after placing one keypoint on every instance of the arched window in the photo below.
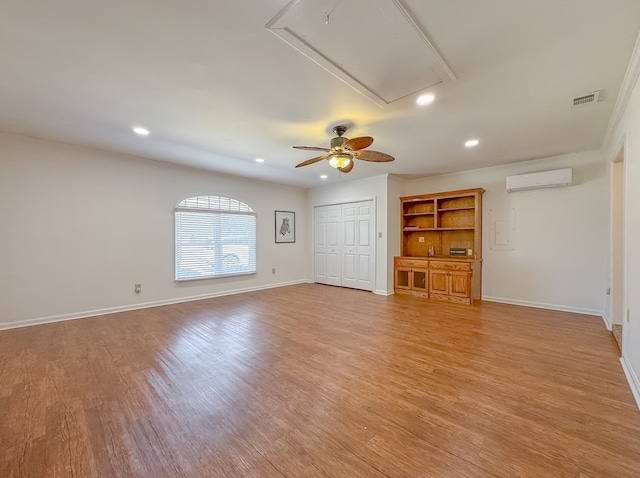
(215, 236)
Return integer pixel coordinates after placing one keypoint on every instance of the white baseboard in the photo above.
(382, 292)
(607, 322)
(542, 305)
(112, 310)
(632, 378)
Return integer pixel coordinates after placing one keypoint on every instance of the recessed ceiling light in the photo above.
(472, 143)
(426, 99)
(324, 176)
(259, 160)
(140, 131)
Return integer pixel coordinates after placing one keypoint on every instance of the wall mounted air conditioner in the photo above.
(543, 179)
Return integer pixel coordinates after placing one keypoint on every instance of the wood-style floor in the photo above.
(317, 381)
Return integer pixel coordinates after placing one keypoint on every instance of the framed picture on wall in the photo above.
(285, 226)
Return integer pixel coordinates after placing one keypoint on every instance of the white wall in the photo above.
(561, 240)
(351, 191)
(395, 191)
(81, 226)
(627, 134)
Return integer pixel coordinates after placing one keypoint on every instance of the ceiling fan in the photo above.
(344, 150)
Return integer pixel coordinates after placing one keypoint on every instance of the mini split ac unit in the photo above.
(543, 179)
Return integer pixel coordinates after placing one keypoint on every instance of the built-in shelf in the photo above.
(436, 224)
(456, 209)
(417, 229)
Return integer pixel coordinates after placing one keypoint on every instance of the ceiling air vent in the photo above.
(585, 100)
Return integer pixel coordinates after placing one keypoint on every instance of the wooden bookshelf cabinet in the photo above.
(441, 222)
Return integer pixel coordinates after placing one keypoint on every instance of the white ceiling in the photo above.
(218, 89)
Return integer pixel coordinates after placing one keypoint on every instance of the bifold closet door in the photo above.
(328, 224)
(357, 250)
(343, 249)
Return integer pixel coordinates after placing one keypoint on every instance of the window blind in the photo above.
(215, 236)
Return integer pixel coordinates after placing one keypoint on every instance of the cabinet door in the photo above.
(403, 278)
(439, 282)
(420, 280)
(460, 284)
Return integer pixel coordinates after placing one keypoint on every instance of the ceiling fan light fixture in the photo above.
(344, 151)
(339, 160)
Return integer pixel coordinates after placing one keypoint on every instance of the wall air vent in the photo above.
(585, 100)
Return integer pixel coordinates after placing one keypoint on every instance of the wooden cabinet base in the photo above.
(451, 279)
(451, 298)
(412, 292)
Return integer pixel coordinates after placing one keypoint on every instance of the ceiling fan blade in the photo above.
(355, 144)
(375, 156)
(347, 168)
(311, 148)
(310, 161)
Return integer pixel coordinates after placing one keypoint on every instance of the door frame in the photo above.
(374, 245)
(618, 300)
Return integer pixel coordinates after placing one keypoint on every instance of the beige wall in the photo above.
(559, 256)
(561, 239)
(81, 226)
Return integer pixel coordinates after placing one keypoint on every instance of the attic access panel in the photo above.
(374, 46)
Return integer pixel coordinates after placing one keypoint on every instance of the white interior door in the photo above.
(344, 245)
(365, 240)
(333, 264)
(320, 246)
(349, 245)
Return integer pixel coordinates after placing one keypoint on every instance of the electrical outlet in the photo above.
(137, 288)
(608, 291)
(421, 239)
(273, 270)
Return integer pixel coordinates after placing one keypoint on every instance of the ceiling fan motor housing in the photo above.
(338, 141)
